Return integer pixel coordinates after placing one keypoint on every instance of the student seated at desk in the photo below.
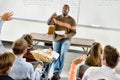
(110, 60)
(93, 58)
(21, 68)
(29, 56)
(6, 63)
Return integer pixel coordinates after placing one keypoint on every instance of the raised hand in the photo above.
(7, 16)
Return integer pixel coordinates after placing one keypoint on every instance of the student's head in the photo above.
(96, 49)
(110, 56)
(19, 47)
(6, 62)
(94, 55)
(28, 38)
(65, 10)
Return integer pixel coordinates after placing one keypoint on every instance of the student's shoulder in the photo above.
(93, 69)
(28, 64)
(71, 17)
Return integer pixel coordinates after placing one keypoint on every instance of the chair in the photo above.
(80, 71)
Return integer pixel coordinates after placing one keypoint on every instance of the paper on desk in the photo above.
(62, 32)
(54, 54)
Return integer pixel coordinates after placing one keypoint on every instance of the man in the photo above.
(5, 17)
(66, 25)
(106, 72)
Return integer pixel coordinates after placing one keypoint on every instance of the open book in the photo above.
(43, 55)
(54, 54)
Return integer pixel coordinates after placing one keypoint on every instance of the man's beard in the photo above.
(64, 14)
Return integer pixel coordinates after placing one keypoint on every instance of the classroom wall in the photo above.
(14, 29)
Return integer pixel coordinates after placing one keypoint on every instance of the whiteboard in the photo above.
(38, 9)
(100, 13)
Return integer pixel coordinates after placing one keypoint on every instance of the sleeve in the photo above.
(38, 74)
(1, 23)
(71, 33)
(32, 73)
(50, 21)
(35, 74)
(87, 73)
(72, 73)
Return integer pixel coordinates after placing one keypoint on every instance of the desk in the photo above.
(75, 41)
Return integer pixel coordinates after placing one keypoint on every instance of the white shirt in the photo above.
(96, 73)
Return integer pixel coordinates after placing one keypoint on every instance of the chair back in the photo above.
(80, 71)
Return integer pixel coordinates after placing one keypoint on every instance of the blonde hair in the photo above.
(94, 55)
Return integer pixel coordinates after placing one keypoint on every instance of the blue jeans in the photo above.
(60, 47)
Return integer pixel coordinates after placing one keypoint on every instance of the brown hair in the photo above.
(19, 46)
(6, 61)
(94, 55)
(28, 38)
(111, 55)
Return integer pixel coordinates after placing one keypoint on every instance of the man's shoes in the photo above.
(56, 76)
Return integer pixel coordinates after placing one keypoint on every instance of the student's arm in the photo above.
(7, 16)
(1, 23)
(64, 24)
(38, 72)
(72, 74)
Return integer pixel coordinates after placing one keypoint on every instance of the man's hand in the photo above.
(54, 15)
(64, 35)
(7, 16)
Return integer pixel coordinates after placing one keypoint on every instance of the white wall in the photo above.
(102, 13)
(16, 28)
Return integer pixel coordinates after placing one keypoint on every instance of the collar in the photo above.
(65, 16)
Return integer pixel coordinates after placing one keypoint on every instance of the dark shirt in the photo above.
(5, 77)
(29, 57)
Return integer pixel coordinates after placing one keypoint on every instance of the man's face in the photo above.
(65, 10)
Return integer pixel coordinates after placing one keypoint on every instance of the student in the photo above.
(110, 59)
(23, 69)
(29, 57)
(6, 63)
(29, 39)
(5, 17)
(93, 58)
(62, 42)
